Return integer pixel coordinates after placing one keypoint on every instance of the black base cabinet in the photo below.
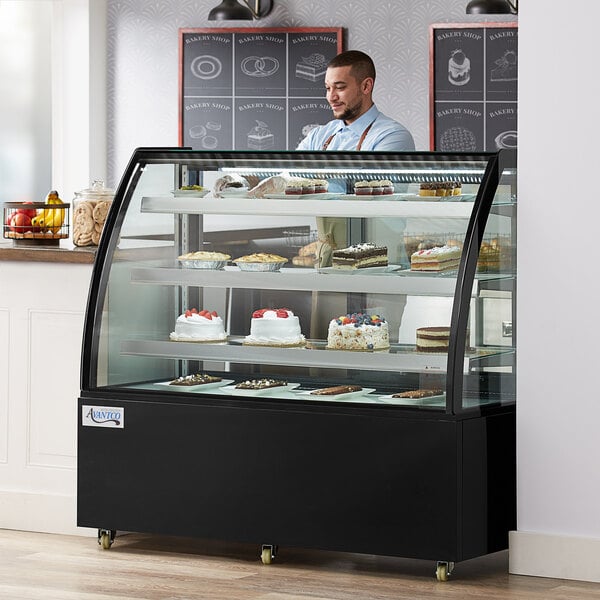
(350, 480)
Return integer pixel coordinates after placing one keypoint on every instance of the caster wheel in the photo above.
(443, 570)
(105, 540)
(106, 537)
(267, 554)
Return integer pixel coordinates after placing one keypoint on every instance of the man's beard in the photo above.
(351, 112)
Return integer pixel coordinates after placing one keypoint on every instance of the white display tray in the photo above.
(364, 271)
(346, 396)
(231, 389)
(200, 386)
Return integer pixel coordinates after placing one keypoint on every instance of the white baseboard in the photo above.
(43, 513)
(557, 556)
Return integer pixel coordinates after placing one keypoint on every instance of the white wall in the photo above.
(558, 355)
(79, 112)
(25, 100)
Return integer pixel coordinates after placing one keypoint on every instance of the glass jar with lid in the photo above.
(90, 209)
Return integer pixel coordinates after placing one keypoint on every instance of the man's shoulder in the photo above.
(391, 135)
(317, 135)
(384, 120)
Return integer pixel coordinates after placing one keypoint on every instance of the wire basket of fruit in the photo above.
(46, 222)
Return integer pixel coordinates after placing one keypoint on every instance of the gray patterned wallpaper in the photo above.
(143, 59)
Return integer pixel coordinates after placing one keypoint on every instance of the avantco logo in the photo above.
(103, 416)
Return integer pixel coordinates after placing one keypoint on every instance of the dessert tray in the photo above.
(233, 193)
(231, 389)
(321, 196)
(190, 193)
(345, 396)
(363, 271)
(375, 197)
(213, 265)
(260, 266)
(425, 400)
(199, 387)
(417, 198)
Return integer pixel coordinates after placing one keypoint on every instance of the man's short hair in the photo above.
(361, 63)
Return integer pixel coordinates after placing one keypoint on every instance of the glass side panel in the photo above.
(377, 326)
(491, 378)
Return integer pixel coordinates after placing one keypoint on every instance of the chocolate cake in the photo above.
(360, 256)
(433, 339)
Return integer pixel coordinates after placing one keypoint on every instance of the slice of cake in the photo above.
(293, 187)
(439, 188)
(433, 339)
(358, 331)
(360, 256)
(274, 327)
(199, 326)
(427, 188)
(363, 188)
(440, 258)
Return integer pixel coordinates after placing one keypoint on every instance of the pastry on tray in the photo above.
(203, 255)
(196, 379)
(336, 390)
(261, 257)
(415, 394)
(260, 384)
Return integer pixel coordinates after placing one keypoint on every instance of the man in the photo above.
(358, 125)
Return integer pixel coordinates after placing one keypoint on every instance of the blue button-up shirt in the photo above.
(384, 134)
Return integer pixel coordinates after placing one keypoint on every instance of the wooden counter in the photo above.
(65, 253)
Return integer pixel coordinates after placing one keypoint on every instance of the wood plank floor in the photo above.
(35, 566)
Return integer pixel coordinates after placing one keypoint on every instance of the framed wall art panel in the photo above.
(253, 88)
(473, 86)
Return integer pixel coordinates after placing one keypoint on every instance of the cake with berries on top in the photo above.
(199, 326)
(358, 331)
(274, 327)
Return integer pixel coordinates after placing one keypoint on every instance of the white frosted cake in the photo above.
(199, 326)
(274, 327)
(358, 331)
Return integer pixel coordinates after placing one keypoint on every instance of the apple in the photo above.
(30, 212)
(20, 222)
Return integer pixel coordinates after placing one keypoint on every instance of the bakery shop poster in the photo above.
(253, 89)
(473, 87)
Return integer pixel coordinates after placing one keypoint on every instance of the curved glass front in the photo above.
(391, 263)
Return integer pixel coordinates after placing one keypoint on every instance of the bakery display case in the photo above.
(310, 349)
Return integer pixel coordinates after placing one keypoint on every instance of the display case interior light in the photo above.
(433, 172)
